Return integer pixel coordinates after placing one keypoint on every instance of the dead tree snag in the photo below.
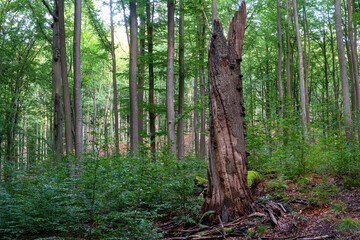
(228, 194)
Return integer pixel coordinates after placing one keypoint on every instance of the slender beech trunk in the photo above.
(326, 80)
(152, 115)
(228, 192)
(281, 92)
(141, 78)
(214, 9)
(106, 136)
(343, 71)
(57, 90)
(134, 124)
(77, 82)
(195, 122)
(180, 126)
(202, 89)
(301, 68)
(307, 64)
(288, 56)
(170, 113)
(333, 73)
(115, 105)
(354, 57)
(64, 76)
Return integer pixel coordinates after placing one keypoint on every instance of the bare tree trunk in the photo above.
(200, 45)
(105, 122)
(180, 126)
(228, 193)
(301, 68)
(57, 90)
(77, 82)
(288, 57)
(134, 125)
(281, 93)
(307, 64)
(195, 122)
(115, 105)
(64, 76)
(354, 62)
(333, 76)
(343, 71)
(140, 91)
(170, 113)
(152, 115)
(214, 9)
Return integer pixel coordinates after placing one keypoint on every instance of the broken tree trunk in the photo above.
(228, 194)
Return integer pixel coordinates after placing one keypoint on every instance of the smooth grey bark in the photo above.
(333, 73)
(64, 76)
(134, 125)
(77, 81)
(307, 64)
(288, 56)
(180, 125)
(170, 113)
(343, 71)
(301, 68)
(214, 10)
(115, 105)
(57, 89)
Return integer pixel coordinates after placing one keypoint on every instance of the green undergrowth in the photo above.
(108, 197)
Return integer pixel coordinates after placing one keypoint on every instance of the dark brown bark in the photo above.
(180, 125)
(281, 93)
(134, 125)
(196, 115)
(152, 115)
(141, 78)
(228, 192)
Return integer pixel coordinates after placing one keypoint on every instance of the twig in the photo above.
(51, 13)
(316, 238)
(222, 227)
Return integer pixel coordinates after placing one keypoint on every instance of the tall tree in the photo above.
(228, 193)
(301, 67)
(152, 115)
(281, 93)
(115, 93)
(180, 125)
(170, 113)
(134, 125)
(64, 76)
(343, 70)
(77, 81)
(288, 55)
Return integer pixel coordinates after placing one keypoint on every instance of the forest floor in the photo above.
(308, 208)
